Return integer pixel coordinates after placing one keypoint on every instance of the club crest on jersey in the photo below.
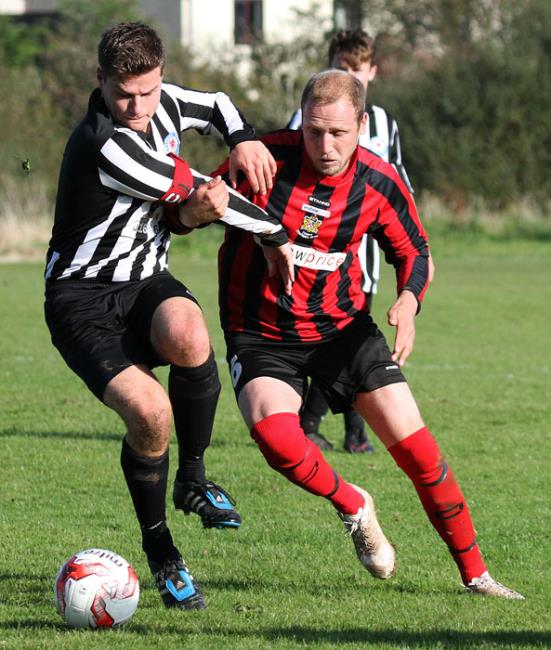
(310, 226)
(313, 219)
(172, 143)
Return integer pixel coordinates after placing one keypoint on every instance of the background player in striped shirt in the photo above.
(354, 52)
(328, 192)
(113, 309)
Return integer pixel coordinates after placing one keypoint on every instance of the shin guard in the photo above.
(287, 450)
(419, 457)
(193, 395)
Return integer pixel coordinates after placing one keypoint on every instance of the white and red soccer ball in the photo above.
(96, 589)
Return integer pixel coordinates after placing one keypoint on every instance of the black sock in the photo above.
(194, 395)
(313, 409)
(157, 543)
(353, 421)
(146, 479)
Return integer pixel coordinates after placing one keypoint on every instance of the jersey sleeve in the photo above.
(246, 215)
(395, 155)
(399, 232)
(126, 164)
(295, 122)
(210, 113)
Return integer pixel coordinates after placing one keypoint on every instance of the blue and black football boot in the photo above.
(213, 504)
(176, 584)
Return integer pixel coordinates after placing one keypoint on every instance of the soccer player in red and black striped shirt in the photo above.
(327, 193)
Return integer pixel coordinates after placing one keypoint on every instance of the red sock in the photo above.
(284, 445)
(420, 458)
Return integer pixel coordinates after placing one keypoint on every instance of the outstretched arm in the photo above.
(402, 316)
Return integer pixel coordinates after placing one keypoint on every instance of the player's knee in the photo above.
(420, 458)
(182, 338)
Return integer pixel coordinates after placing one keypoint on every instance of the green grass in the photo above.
(289, 578)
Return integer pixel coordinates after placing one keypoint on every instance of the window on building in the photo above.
(248, 21)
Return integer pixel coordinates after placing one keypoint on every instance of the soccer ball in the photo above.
(96, 588)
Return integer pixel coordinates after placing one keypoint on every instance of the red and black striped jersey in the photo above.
(325, 218)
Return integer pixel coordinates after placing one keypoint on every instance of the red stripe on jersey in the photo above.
(325, 218)
(182, 182)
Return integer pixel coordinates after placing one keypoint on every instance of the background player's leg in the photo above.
(355, 436)
(312, 412)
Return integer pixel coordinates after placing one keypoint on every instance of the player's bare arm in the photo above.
(280, 260)
(432, 268)
(256, 162)
(207, 203)
(402, 316)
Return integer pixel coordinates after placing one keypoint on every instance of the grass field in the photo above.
(289, 577)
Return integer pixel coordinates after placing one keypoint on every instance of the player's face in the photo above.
(365, 73)
(331, 133)
(132, 101)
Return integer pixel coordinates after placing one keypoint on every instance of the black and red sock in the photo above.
(419, 457)
(287, 450)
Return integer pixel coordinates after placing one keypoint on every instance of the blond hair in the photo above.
(329, 86)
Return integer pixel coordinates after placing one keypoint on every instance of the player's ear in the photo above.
(99, 76)
(363, 124)
(372, 72)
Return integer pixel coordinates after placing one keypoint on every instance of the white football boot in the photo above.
(373, 549)
(487, 586)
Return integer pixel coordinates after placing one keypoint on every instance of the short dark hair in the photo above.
(130, 49)
(353, 46)
(329, 86)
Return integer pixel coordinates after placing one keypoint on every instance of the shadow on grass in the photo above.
(305, 636)
(444, 637)
(13, 432)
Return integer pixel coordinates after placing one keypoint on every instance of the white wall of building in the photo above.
(203, 25)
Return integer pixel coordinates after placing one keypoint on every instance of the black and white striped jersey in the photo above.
(382, 138)
(113, 182)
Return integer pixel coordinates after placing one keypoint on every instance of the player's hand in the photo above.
(207, 203)
(432, 268)
(402, 316)
(280, 260)
(256, 162)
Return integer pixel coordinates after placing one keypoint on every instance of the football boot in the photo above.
(356, 442)
(485, 585)
(373, 549)
(213, 504)
(176, 584)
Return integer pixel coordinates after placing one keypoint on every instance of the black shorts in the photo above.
(357, 360)
(102, 328)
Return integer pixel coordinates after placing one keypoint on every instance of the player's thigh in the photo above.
(167, 316)
(391, 411)
(265, 379)
(265, 396)
(88, 327)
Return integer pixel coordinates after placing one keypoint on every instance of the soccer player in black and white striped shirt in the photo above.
(354, 52)
(113, 309)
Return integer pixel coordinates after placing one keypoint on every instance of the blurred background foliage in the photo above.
(469, 83)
